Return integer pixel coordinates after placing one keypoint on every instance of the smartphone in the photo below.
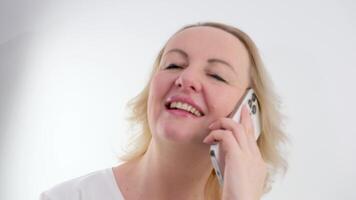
(251, 100)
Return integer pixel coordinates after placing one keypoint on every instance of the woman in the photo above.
(205, 69)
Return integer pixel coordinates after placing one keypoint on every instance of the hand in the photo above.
(245, 171)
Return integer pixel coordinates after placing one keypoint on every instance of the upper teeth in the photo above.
(185, 106)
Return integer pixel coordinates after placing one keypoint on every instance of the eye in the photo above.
(173, 66)
(217, 77)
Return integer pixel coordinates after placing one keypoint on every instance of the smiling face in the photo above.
(203, 73)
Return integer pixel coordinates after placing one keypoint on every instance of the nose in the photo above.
(189, 80)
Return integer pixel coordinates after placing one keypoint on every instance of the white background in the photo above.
(67, 69)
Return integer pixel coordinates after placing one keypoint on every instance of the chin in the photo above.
(180, 135)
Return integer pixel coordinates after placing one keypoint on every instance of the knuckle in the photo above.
(227, 121)
(240, 128)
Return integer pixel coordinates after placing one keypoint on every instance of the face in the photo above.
(202, 75)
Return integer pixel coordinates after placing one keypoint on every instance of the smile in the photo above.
(184, 106)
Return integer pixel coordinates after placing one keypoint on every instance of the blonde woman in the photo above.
(206, 67)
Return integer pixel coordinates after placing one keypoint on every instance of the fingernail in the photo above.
(246, 110)
(211, 125)
(204, 141)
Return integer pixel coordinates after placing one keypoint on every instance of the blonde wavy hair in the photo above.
(272, 136)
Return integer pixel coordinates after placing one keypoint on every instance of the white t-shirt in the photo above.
(94, 186)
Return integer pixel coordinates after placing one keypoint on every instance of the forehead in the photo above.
(209, 42)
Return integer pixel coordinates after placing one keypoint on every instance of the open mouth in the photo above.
(177, 105)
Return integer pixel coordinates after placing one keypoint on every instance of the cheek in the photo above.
(153, 96)
(221, 105)
(158, 89)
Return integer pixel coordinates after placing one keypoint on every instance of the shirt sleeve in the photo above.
(44, 196)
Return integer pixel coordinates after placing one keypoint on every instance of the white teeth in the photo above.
(189, 107)
(185, 106)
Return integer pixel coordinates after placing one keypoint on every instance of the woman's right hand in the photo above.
(245, 170)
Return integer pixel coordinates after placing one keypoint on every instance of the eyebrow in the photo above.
(211, 60)
(178, 51)
(215, 60)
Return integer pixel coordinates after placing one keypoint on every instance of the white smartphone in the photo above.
(251, 100)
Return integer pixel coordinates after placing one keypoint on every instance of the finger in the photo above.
(237, 129)
(246, 121)
(242, 138)
(225, 138)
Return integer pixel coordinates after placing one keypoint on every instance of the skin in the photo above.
(177, 164)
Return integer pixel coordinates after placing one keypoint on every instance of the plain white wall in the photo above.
(67, 69)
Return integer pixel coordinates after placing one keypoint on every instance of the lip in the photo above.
(183, 99)
(182, 113)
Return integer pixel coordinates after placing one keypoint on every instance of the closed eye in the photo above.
(217, 77)
(173, 66)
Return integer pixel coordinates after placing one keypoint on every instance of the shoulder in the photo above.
(94, 185)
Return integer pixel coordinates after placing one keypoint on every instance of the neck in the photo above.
(173, 171)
